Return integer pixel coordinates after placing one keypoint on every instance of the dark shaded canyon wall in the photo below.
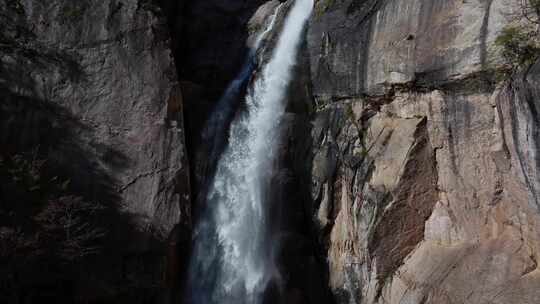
(210, 46)
(94, 86)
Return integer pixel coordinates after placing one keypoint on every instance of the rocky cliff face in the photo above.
(408, 170)
(93, 85)
(418, 181)
(423, 174)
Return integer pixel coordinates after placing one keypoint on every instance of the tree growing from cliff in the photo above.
(65, 224)
(519, 43)
(41, 210)
(45, 230)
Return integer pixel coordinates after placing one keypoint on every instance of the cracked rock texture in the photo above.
(408, 168)
(408, 172)
(93, 84)
(424, 174)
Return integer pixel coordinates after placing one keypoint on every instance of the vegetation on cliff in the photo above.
(46, 230)
(519, 42)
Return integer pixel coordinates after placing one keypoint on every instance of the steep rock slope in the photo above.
(424, 175)
(93, 85)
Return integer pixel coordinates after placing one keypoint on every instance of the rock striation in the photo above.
(423, 172)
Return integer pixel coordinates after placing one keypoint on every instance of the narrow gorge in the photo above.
(232, 260)
(270, 151)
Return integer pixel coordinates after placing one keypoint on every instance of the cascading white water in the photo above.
(231, 260)
(224, 110)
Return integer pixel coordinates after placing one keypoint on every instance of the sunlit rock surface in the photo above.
(424, 174)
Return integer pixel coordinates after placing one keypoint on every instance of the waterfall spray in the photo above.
(231, 262)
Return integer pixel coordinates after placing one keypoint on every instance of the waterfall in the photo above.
(225, 109)
(231, 260)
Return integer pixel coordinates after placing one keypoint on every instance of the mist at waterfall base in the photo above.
(232, 259)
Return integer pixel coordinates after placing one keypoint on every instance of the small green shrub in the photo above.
(16, 6)
(519, 43)
(534, 8)
(7, 40)
(151, 6)
(519, 46)
(322, 6)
